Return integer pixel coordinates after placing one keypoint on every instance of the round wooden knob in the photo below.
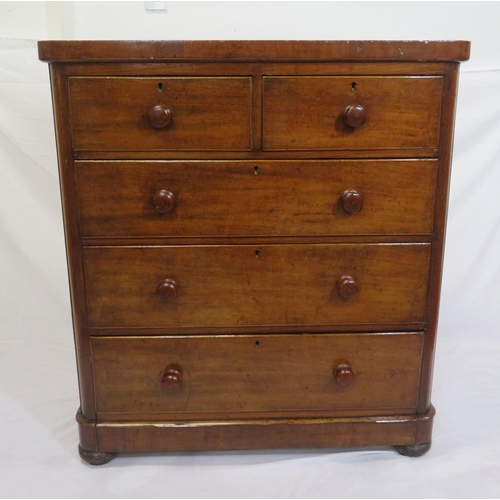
(160, 116)
(167, 290)
(347, 287)
(351, 201)
(164, 201)
(355, 115)
(172, 378)
(343, 375)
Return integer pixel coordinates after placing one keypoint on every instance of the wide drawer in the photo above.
(256, 374)
(113, 113)
(307, 113)
(250, 285)
(261, 198)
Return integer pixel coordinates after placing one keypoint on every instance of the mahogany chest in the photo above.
(255, 238)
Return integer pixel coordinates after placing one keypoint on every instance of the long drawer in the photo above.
(260, 198)
(267, 374)
(355, 112)
(162, 113)
(249, 285)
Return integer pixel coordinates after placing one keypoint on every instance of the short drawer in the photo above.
(148, 114)
(260, 198)
(251, 285)
(267, 374)
(356, 112)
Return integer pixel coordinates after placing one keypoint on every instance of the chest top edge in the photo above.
(258, 50)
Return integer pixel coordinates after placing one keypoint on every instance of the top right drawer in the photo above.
(351, 113)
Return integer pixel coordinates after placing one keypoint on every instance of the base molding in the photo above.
(410, 434)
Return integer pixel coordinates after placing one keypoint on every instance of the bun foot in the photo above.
(95, 457)
(413, 450)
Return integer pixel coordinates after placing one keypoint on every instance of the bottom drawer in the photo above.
(259, 375)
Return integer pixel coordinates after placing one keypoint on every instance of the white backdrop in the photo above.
(38, 386)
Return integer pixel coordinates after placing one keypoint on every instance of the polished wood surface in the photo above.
(441, 207)
(264, 198)
(205, 113)
(309, 112)
(258, 154)
(153, 51)
(272, 374)
(255, 236)
(58, 79)
(263, 67)
(250, 285)
(247, 434)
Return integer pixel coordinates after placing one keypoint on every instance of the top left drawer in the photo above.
(161, 114)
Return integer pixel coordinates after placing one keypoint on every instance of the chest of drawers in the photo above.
(255, 235)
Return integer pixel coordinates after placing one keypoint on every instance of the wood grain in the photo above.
(409, 153)
(334, 50)
(72, 236)
(260, 198)
(269, 373)
(441, 204)
(263, 434)
(206, 113)
(302, 113)
(243, 285)
(234, 68)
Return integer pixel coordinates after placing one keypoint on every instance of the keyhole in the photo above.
(256, 170)
(257, 254)
(353, 86)
(257, 343)
(160, 87)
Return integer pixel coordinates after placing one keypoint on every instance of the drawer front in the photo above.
(110, 113)
(306, 113)
(267, 373)
(250, 285)
(262, 198)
